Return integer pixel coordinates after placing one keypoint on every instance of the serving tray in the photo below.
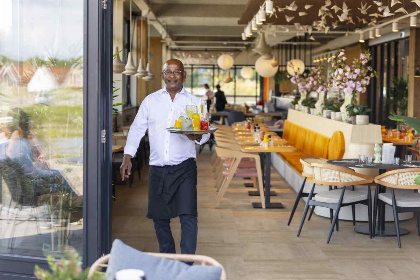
(211, 129)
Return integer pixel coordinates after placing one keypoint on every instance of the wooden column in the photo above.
(413, 83)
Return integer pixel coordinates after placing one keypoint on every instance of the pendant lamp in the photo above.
(261, 47)
(225, 61)
(141, 72)
(247, 72)
(150, 76)
(264, 67)
(117, 65)
(130, 68)
(227, 78)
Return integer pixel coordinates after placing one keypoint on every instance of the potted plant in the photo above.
(351, 114)
(305, 105)
(335, 112)
(68, 268)
(311, 106)
(295, 103)
(328, 110)
(398, 96)
(362, 116)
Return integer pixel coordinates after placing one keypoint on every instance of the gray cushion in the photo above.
(403, 199)
(334, 195)
(155, 268)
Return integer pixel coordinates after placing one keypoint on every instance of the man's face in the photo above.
(174, 76)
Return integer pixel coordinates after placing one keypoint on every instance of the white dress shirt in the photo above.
(158, 112)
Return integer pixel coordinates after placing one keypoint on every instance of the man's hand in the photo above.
(194, 137)
(125, 168)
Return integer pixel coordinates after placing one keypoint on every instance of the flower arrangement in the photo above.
(354, 78)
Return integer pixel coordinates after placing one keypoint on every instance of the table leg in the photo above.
(267, 185)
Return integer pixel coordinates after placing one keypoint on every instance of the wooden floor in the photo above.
(256, 244)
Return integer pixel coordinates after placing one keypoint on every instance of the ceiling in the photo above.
(205, 24)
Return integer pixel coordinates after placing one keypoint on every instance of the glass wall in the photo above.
(239, 91)
(41, 126)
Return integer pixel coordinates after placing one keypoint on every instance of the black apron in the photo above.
(172, 190)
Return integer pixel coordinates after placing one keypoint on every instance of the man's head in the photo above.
(218, 87)
(173, 75)
(206, 86)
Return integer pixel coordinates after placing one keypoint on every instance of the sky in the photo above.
(41, 28)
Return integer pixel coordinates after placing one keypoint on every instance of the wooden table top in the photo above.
(398, 142)
(260, 149)
(224, 114)
(117, 148)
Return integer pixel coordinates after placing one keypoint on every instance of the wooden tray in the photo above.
(212, 129)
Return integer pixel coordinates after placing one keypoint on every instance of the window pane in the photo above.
(187, 83)
(41, 126)
(201, 76)
(246, 89)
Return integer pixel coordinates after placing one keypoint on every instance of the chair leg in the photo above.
(353, 214)
(340, 201)
(375, 210)
(312, 212)
(305, 212)
(226, 183)
(370, 211)
(298, 197)
(397, 223)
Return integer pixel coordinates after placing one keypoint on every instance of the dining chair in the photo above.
(233, 171)
(102, 263)
(403, 179)
(307, 174)
(340, 177)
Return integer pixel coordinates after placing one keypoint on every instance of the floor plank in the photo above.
(258, 244)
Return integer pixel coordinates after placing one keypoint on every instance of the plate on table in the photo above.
(211, 129)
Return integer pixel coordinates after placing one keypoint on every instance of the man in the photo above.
(208, 96)
(220, 99)
(173, 169)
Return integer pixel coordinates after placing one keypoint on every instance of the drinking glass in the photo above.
(362, 159)
(369, 160)
(397, 161)
(408, 158)
(190, 110)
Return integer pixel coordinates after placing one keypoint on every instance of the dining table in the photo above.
(382, 229)
(265, 158)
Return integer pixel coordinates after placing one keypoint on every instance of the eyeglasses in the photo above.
(176, 72)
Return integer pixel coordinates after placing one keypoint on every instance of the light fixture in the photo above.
(130, 68)
(150, 76)
(417, 73)
(274, 62)
(225, 61)
(261, 46)
(264, 68)
(257, 19)
(248, 31)
(141, 72)
(413, 21)
(361, 39)
(395, 26)
(117, 65)
(371, 34)
(269, 7)
(243, 36)
(295, 66)
(247, 72)
(377, 32)
(254, 26)
(227, 78)
(262, 15)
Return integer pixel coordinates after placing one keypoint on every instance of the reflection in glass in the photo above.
(41, 126)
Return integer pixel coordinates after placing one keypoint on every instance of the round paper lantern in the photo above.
(264, 67)
(295, 66)
(247, 72)
(225, 61)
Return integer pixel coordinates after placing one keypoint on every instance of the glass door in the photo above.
(48, 138)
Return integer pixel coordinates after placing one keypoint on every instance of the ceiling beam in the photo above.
(214, 31)
(220, 11)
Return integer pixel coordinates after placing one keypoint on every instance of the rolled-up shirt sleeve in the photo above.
(204, 139)
(137, 129)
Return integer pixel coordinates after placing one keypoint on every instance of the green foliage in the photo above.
(69, 268)
(417, 180)
(305, 102)
(281, 76)
(328, 106)
(413, 122)
(354, 110)
(295, 101)
(398, 95)
(336, 107)
(312, 103)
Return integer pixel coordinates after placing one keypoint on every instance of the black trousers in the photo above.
(189, 232)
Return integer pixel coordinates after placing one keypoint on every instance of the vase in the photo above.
(297, 107)
(362, 119)
(348, 99)
(319, 105)
(327, 114)
(338, 116)
(351, 119)
(312, 110)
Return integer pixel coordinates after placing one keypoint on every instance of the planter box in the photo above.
(362, 119)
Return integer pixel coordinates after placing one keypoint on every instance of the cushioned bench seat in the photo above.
(311, 143)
